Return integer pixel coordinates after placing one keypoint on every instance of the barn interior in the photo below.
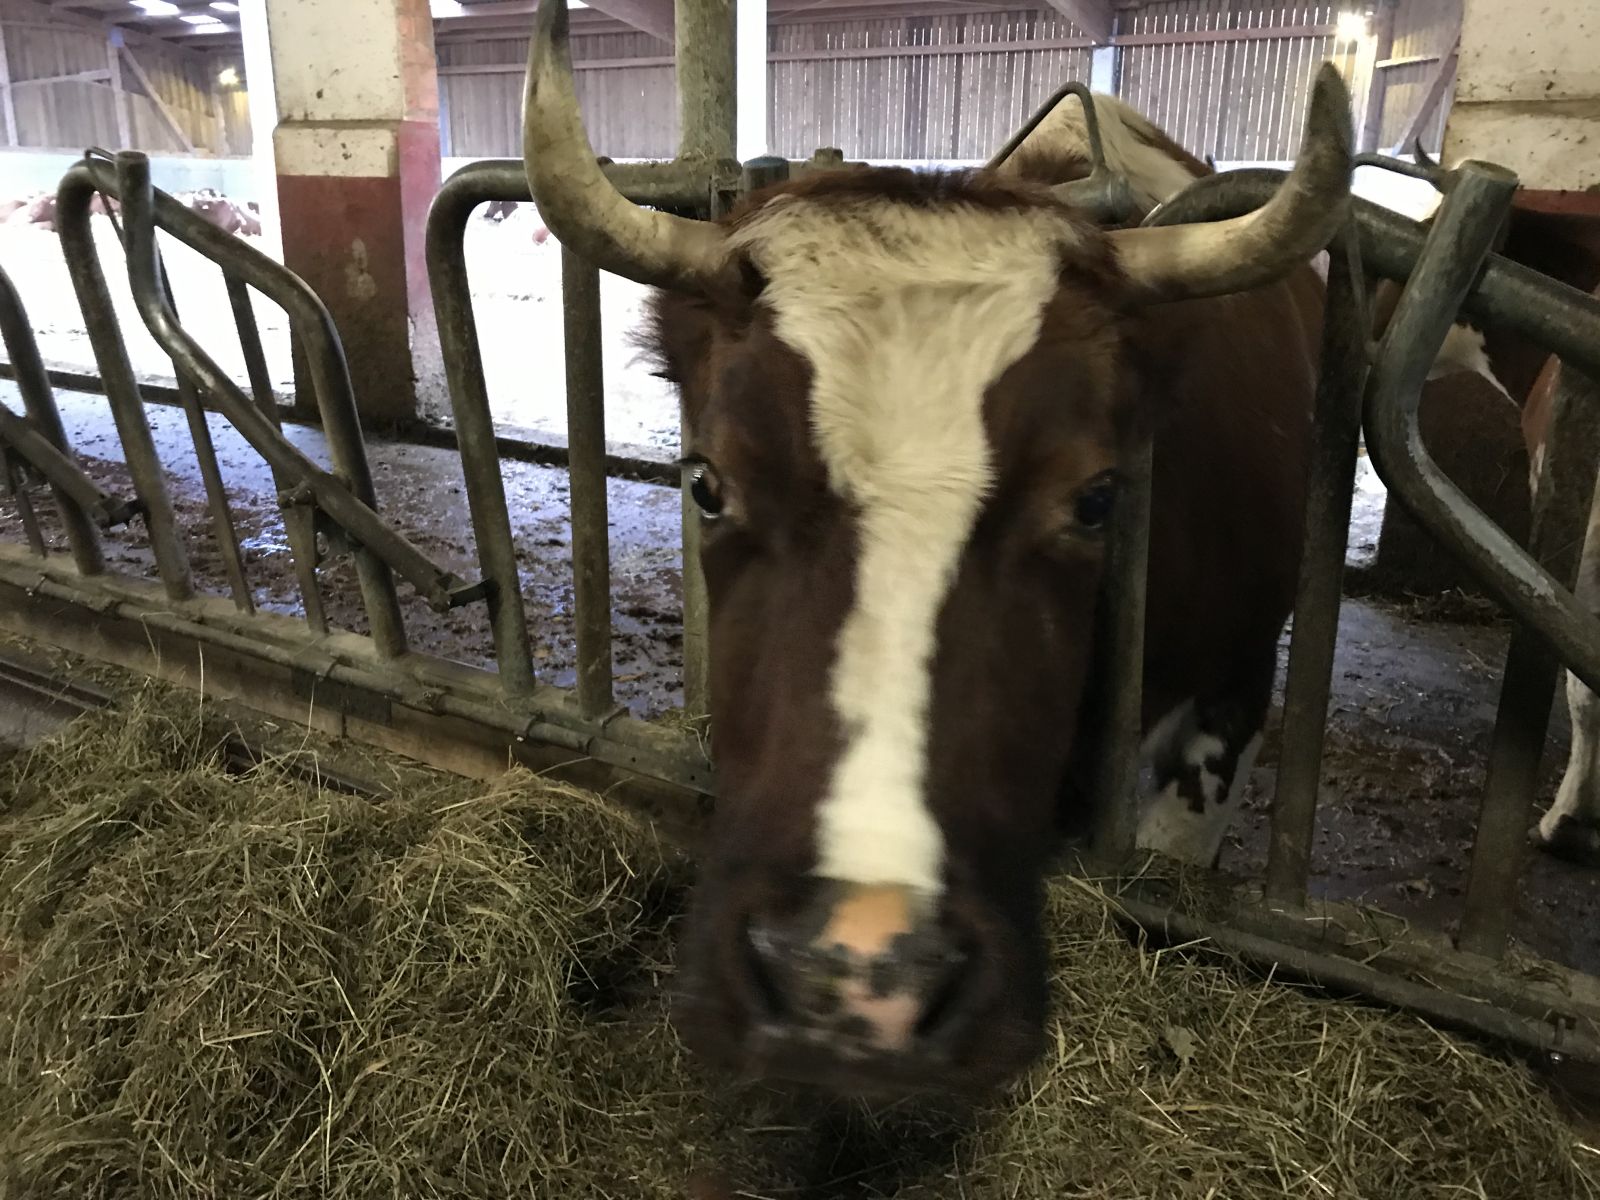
(344, 151)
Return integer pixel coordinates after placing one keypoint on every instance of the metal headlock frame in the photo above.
(452, 715)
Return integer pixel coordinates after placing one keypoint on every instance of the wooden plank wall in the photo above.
(1423, 29)
(1240, 97)
(899, 88)
(75, 113)
(625, 87)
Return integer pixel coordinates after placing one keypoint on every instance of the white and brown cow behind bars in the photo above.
(907, 396)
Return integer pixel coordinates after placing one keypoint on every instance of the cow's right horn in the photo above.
(1188, 262)
(575, 199)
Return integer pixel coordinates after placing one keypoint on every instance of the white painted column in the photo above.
(357, 158)
(1528, 91)
(751, 73)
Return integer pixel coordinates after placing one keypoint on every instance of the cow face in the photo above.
(905, 406)
(905, 426)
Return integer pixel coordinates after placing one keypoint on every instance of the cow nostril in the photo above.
(941, 1015)
(762, 958)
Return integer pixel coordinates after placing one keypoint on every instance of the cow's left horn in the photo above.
(1186, 262)
(575, 199)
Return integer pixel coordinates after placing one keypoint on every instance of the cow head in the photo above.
(906, 399)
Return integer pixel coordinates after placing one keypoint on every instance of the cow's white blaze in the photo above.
(906, 315)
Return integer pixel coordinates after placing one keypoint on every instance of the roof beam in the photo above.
(654, 17)
(1092, 16)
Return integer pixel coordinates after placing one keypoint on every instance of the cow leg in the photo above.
(1571, 828)
(1202, 755)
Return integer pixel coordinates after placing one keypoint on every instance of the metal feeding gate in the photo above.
(372, 688)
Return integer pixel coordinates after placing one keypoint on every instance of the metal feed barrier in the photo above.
(374, 688)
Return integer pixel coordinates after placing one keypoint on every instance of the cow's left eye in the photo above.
(1093, 505)
(703, 488)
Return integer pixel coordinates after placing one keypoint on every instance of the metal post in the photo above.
(205, 453)
(1115, 798)
(17, 488)
(469, 404)
(1336, 432)
(704, 33)
(39, 401)
(1561, 506)
(122, 389)
(299, 522)
(586, 469)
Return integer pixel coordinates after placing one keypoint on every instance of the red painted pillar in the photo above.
(357, 151)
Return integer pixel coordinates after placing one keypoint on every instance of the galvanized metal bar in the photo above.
(1115, 799)
(331, 381)
(205, 452)
(1506, 294)
(1498, 292)
(63, 475)
(378, 547)
(17, 488)
(469, 403)
(1560, 520)
(299, 522)
(1335, 437)
(1347, 974)
(413, 682)
(586, 470)
(706, 52)
(73, 196)
(39, 402)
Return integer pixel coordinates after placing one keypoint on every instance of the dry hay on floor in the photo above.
(241, 986)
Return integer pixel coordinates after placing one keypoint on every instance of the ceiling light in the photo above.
(200, 20)
(1352, 26)
(224, 6)
(156, 8)
(228, 77)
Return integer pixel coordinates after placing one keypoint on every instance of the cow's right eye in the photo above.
(703, 488)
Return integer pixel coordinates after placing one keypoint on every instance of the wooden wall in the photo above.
(1225, 77)
(61, 72)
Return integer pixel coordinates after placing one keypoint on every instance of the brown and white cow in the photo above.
(907, 397)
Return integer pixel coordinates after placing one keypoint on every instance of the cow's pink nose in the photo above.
(864, 970)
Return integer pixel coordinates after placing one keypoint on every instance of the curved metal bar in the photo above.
(1558, 317)
(469, 402)
(39, 401)
(76, 493)
(1105, 194)
(380, 546)
(76, 191)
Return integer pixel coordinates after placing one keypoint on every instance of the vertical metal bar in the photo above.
(706, 51)
(1336, 431)
(39, 401)
(16, 485)
(299, 521)
(586, 469)
(1115, 795)
(1560, 519)
(469, 404)
(121, 388)
(205, 453)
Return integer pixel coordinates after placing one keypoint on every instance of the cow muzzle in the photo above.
(864, 989)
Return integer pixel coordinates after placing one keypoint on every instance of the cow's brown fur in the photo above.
(1227, 386)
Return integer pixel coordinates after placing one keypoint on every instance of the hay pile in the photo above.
(240, 987)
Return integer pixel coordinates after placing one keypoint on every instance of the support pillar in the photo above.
(1527, 91)
(751, 37)
(357, 150)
